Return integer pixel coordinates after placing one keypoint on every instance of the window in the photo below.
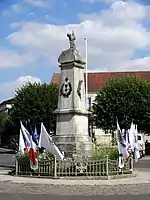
(89, 102)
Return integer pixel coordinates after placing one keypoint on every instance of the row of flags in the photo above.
(30, 142)
(127, 142)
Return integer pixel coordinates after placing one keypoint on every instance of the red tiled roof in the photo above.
(97, 80)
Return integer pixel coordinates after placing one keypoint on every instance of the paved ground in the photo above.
(18, 188)
(143, 165)
(6, 158)
(141, 170)
(56, 197)
(87, 190)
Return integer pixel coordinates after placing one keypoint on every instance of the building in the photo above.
(97, 80)
(5, 106)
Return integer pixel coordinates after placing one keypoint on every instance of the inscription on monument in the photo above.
(79, 88)
(66, 88)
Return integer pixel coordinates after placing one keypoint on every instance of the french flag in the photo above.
(26, 137)
(32, 151)
(35, 136)
(121, 140)
(29, 143)
(124, 145)
(33, 140)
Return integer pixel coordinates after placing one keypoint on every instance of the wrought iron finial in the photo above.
(72, 39)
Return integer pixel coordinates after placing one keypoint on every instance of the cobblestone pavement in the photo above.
(4, 196)
(137, 189)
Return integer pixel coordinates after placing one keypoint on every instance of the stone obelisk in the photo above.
(72, 116)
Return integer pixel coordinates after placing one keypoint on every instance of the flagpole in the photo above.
(86, 73)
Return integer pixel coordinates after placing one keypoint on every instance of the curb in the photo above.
(82, 178)
(113, 181)
(64, 182)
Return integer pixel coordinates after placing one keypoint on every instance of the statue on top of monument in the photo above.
(72, 39)
(71, 54)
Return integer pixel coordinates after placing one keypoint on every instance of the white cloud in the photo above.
(39, 3)
(120, 12)
(13, 59)
(16, 84)
(113, 36)
(15, 25)
(136, 64)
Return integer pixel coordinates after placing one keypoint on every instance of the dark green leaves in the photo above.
(37, 103)
(126, 98)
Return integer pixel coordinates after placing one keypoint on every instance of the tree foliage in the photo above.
(37, 103)
(4, 122)
(127, 98)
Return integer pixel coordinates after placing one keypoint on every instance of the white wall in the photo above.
(100, 135)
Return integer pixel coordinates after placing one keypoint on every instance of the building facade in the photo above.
(5, 106)
(96, 81)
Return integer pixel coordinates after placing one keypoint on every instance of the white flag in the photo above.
(118, 137)
(136, 146)
(131, 136)
(45, 141)
(21, 143)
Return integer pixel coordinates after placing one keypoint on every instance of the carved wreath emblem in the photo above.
(66, 88)
(79, 88)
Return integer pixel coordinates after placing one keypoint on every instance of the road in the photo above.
(143, 165)
(6, 159)
(57, 197)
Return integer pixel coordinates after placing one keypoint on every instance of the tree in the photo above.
(7, 128)
(127, 98)
(37, 103)
(4, 120)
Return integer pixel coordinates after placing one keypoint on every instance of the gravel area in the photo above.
(137, 189)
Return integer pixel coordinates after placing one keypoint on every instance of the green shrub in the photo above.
(101, 151)
(23, 159)
(113, 154)
(23, 163)
(46, 156)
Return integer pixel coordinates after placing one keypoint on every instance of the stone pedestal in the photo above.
(72, 117)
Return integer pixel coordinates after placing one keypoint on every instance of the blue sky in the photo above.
(33, 34)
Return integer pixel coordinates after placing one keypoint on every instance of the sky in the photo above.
(33, 34)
